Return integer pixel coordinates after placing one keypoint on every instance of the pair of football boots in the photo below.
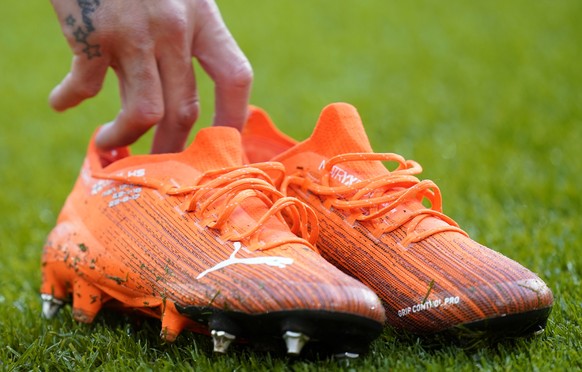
(258, 238)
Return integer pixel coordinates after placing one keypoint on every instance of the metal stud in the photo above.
(50, 306)
(221, 340)
(539, 332)
(295, 342)
(346, 355)
(345, 358)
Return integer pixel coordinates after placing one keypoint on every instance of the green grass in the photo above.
(486, 95)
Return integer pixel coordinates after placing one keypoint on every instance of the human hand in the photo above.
(150, 45)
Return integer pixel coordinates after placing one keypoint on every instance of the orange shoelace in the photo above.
(215, 195)
(373, 199)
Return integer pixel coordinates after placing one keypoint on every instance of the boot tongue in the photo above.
(339, 130)
(213, 148)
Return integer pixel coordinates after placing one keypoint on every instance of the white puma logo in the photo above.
(280, 262)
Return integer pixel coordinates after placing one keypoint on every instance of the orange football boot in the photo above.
(206, 244)
(374, 225)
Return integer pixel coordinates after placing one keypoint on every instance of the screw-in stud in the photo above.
(221, 340)
(295, 342)
(50, 306)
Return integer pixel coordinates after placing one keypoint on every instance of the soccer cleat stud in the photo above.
(295, 341)
(50, 306)
(221, 340)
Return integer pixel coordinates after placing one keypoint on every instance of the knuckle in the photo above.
(145, 114)
(240, 76)
(172, 21)
(187, 114)
(177, 26)
(88, 89)
(243, 76)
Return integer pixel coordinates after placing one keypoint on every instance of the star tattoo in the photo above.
(92, 51)
(70, 21)
(81, 35)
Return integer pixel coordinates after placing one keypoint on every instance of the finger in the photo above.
(181, 106)
(223, 60)
(142, 103)
(84, 81)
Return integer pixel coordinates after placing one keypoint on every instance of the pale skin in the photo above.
(150, 45)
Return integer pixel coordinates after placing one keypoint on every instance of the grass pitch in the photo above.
(487, 96)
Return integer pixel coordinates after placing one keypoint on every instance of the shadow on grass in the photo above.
(460, 340)
(118, 336)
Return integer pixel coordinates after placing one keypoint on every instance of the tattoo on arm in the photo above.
(83, 30)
